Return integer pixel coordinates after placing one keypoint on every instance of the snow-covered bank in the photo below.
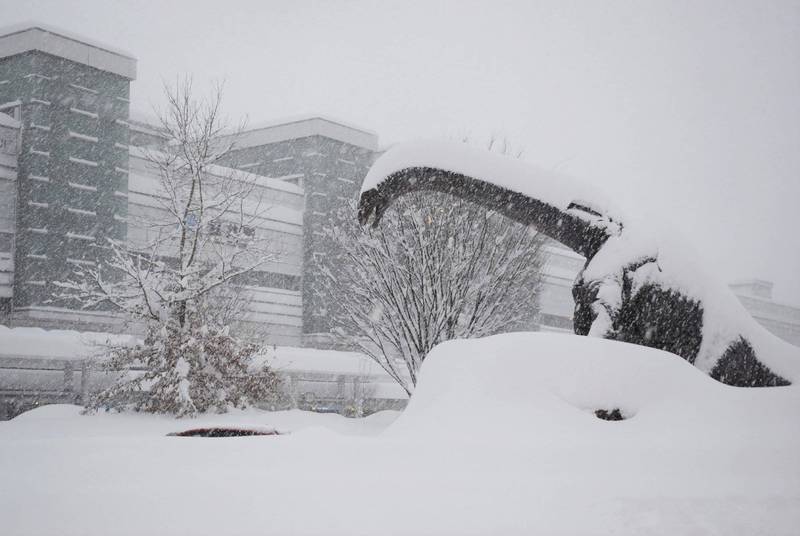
(56, 343)
(559, 380)
(499, 438)
(69, 345)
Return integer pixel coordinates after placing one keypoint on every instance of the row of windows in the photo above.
(79, 189)
(40, 276)
(83, 128)
(90, 162)
(75, 95)
(76, 207)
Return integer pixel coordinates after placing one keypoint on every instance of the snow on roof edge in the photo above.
(554, 188)
(299, 118)
(20, 27)
(271, 182)
(305, 126)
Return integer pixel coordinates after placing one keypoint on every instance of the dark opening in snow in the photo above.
(225, 432)
(609, 414)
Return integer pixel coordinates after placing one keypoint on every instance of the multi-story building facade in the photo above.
(273, 309)
(74, 171)
(328, 160)
(71, 98)
(79, 171)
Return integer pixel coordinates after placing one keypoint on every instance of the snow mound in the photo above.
(546, 388)
(56, 343)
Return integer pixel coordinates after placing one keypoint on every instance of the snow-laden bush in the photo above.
(437, 269)
(185, 370)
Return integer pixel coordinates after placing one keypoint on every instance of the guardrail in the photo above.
(27, 382)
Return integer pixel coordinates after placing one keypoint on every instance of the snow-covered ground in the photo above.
(499, 438)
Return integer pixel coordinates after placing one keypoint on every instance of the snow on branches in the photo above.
(186, 370)
(437, 269)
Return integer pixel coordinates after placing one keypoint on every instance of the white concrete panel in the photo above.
(63, 44)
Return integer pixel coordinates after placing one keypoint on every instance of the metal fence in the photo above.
(28, 382)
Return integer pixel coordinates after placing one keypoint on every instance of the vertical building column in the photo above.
(9, 147)
(73, 99)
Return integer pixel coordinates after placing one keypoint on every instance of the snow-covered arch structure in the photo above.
(635, 287)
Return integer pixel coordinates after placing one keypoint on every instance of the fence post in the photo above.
(85, 382)
(293, 389)
(341, 393)
(68, 376)
(358, 396)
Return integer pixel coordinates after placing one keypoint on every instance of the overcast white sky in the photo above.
(690, 110)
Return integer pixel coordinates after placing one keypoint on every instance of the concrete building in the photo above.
(71, 98)
(73, 172)
(274, 304)
(779, 318)
(328, 160)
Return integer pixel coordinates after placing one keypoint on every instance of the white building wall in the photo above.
(61, 43)
(273, 315)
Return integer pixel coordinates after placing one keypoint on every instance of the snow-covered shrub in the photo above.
(187, 370)
(638, 285)
(438, 269)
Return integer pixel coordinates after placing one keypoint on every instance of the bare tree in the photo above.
(178, 275)
(436, 269)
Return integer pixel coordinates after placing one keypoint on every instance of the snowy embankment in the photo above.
(56, 344)
(68, 345)
(499, 438)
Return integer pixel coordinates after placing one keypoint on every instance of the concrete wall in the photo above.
(73, 159)
(329, 160)
(271, 293)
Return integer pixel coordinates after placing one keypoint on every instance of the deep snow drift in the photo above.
(500, 438)
(544, 389)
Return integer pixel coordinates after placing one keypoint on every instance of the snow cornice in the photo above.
(305, 126)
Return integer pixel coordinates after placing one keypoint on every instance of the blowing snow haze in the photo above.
(466, 268)
(684, 111)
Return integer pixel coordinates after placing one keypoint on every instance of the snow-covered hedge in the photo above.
(638, 285)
